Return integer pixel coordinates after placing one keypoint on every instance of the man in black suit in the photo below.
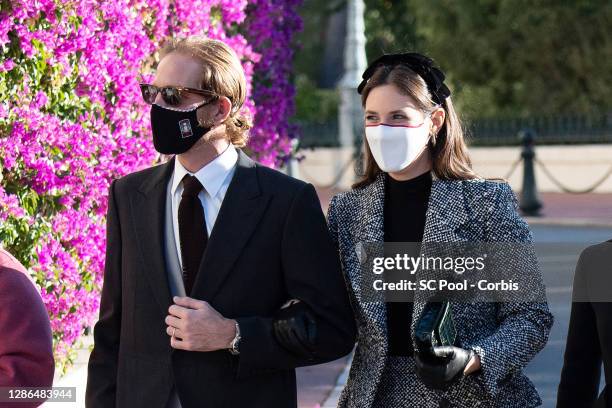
(589, 338)
(220, 275)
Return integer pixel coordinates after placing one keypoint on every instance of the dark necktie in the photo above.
(192, 230)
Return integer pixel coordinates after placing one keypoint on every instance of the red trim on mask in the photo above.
(406, 126)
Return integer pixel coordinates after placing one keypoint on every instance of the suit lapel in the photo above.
(372, 225)
(240, 212)
(371, 229)
(446, 211)
(148, 206)
(446, 214)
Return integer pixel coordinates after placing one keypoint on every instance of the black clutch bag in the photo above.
(435, 327)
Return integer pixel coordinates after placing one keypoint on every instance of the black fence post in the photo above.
(529, 202)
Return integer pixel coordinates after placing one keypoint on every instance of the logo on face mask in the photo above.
(185, 127)
(395, 147)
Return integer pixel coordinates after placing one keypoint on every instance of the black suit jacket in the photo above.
(269, 244)
(589, 339)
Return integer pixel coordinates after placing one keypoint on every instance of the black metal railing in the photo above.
(577, 129)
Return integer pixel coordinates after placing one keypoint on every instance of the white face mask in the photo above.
(394, 147)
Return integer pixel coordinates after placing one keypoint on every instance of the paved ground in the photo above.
(578, 209)
(558, 249)
(316, 383)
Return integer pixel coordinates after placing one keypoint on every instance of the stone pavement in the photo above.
(75, 377)
(332, 399)
(319, 386)
(593, 209)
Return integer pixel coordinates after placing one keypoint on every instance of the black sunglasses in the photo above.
(172, 95)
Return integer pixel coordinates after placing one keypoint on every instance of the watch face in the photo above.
(236, 342)
(234, 350)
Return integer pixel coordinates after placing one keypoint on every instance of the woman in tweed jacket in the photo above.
(496, 340)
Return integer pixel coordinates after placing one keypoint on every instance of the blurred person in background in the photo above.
(589, 337)
(26, 349)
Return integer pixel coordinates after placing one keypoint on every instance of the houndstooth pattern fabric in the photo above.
(393, 392)
(506, 336)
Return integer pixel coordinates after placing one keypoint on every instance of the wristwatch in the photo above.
(236, 342)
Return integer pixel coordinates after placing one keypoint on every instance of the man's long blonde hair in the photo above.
(222, 73)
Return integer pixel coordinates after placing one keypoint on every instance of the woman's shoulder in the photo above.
(346, 197)
(354, 195)
(336, 210)
(494, 201)
(486, 184)
(484, 190)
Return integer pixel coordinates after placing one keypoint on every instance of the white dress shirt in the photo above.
(215, 177)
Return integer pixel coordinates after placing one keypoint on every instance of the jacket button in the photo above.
(362, 255)
(444, 403)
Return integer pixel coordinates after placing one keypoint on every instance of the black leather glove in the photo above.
(440, 368)
(295, 329)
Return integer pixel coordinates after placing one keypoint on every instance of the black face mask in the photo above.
(175, 131)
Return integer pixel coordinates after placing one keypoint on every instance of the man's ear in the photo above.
(224, 108)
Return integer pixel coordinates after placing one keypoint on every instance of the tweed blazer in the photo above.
(506, 335)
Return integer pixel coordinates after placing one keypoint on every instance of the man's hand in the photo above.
(194, 325)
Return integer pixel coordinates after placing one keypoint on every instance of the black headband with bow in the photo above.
(422, 65)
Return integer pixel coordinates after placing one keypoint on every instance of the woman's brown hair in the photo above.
(222, 73)
(450, 158)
